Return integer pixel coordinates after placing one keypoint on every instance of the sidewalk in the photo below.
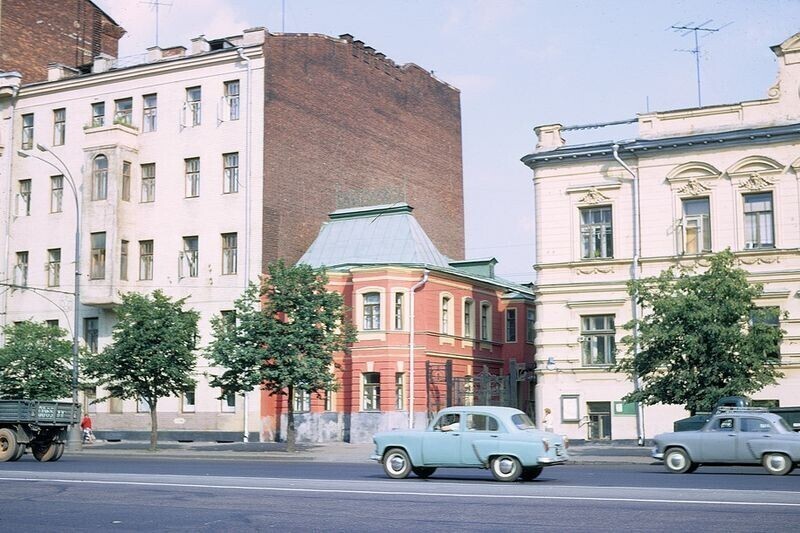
(337, 452)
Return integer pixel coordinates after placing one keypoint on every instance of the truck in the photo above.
(696, 422)
(39, 425)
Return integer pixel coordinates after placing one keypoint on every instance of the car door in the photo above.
(751, 429)
(718, 442)
(441, 443)
(478, 426)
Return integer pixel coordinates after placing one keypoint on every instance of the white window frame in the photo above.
(189, 402)
(97, 266)
(57, 193)
(148, 173)
(371, 321)
(302, 401)
(59, 126)
(232, 100)
(193, 106)
(21, 269)
(370, 391)
(485, 321)
(192, 171)
(446, 314)
(99, 177)
(468, 318)
(758, 241)
(190, 257)
(149, 112)
(54, 267)
(146, 259)
(228, 403)
(592, 232)
(593, 337)
(25, 188)
(123, 111)
(230, 173)
(98, 114)
(230, 254)
(699, 223)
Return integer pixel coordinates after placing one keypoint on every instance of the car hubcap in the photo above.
(396, 463)
(505, 466)
(676, 461)
(776, 462)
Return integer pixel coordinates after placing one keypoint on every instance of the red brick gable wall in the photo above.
(34, 33)
(338, 120)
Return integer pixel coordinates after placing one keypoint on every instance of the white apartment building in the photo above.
(693, 182)
(166, 159)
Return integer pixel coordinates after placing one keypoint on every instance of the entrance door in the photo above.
(599, 420)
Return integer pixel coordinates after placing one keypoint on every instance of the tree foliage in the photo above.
(701, 337)
(152, 352)
(36, 362)
(284, 338)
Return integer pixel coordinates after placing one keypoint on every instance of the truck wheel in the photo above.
(59, 451)
(777, 464)
(505, 468)
(8, 445)
(396, 463)
(45, 451)
(677, 461)
(19, 454)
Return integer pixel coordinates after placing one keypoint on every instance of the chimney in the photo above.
(347, 37)
(253, 36)
(154, 53)
(173, 51)
(200, 45)
(57, 71)
(102, 63)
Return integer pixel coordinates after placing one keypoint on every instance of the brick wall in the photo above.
(34, 33)
(339, 119)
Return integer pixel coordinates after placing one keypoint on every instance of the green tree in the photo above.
(151, 355)
(36, 362)
(701, 337)
(283, 340)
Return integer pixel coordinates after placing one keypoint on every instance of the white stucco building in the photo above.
(709, 178)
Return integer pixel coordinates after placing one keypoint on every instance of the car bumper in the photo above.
(655, 454)
(376, 457)
(551, 460)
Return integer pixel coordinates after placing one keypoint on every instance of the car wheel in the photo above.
(777, 464)
(529, 473)
(423, 471)
(396, 463)
(506, 468)
(8, 445)
(677, 461)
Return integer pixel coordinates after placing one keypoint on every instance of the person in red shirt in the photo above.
(86, 426)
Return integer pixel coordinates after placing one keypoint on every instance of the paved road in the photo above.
(169, 494)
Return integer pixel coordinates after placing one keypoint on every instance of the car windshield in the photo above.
(522, 421)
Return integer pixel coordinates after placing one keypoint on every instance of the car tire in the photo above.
(677, 461)
(423, 472)
(396, 463)
(529, 473)
(777, 464)
(505, 468)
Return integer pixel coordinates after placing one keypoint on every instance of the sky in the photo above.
(518, 64)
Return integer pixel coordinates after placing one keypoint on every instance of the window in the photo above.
(59, 126)
(371, 385)
(511, 325)
(486, 322)
(149, 112)
(758, 228)
(98, 114)
(469, 319)
(142, 406)
(189, 258)
(100, 178)
(596, 233)
(598, 345)
(123, 111)
(328, 401)
(230, 252)
(53, 323)
(98, 257)
(21, 269)
(193, 95)
(27, 131)
(228, 402)
(230, 172)
(771, 318)
(446, 313)
(476, 422)
(232, 99)
(54, 267)
(91, 333)
(123, 260)
(188, 401)
(126, 181)
(755, 425)
(192, 166)
(530, 325)
(696, 226)
(398, 310)
(302, 401)
(145, 260)
(399, 391)
(148, 183)
(24, 203)
(56, 193)
(372, 310)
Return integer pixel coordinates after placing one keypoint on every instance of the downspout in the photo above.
(247, 222)
(635, 295)
(411, 361)
(9, 88)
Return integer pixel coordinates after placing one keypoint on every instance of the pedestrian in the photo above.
(86, 426)
(547, 420)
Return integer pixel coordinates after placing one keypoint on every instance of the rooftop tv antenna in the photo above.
(696, 29)
(155, 4)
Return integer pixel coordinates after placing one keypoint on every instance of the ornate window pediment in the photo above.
(692, 178)
(755, 173)
(594, 194)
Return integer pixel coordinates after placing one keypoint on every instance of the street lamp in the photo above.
(74, 437)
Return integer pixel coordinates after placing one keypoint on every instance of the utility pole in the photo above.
(691, 27)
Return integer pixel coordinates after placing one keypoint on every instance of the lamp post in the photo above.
(74, 436)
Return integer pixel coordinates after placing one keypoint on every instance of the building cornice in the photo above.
(603, 151)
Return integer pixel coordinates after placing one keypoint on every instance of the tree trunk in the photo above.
(290, 435)
(153, 427)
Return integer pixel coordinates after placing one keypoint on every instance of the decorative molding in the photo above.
(692, 171)
(694, 188)
(596, 303)
(594, 270)
(593, 197)
(603, 186)
(774, 92)
(761, 260)
(756, 182)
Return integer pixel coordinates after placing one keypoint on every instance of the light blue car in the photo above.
(501, 439)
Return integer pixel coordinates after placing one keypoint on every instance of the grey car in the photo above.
(741, 436)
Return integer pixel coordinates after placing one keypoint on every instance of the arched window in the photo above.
(100, 178)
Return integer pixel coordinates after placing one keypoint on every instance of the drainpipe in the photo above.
(9, 88)
(411, 324)
(247, 170)
(635, 277)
